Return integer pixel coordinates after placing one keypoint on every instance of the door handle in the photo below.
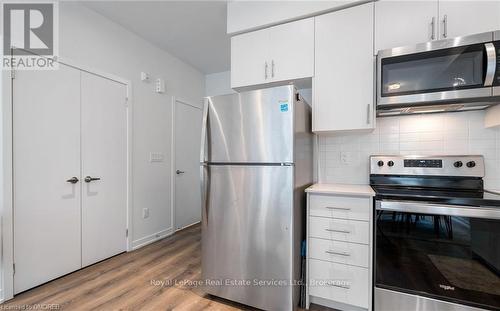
(491, 66)
(178, 172)
(89, 179)
(72, 180)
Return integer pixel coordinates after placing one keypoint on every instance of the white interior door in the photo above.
(46, 153)
(104, 156)
(187, 164)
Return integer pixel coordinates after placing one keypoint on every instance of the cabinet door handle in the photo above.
(433, 28)
(272, 68)
(338, 253)
(445, 26)
(368, 110)
(265, 71)
(338, 231)
(344, 286)
(338, 208)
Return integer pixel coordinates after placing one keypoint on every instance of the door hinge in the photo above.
(12, 74)
(126, 101)
(126, 233)
(13, 268)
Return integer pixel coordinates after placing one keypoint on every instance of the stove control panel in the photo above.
(471, 166)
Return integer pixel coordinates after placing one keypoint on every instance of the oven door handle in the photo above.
(438, 209)
(491, 64)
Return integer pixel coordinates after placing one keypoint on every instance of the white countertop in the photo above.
(342, 189)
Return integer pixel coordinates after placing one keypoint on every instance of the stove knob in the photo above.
(380, 163)
(390, 163)
(471, 164)
(458, 164)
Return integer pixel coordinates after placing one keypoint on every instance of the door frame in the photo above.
(6, 217)
(173, 175)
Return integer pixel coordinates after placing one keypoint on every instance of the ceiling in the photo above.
(194, 31)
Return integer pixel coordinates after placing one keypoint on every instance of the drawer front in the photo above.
(340, 207)
(339, 252)
(338, 282)
(339, 229)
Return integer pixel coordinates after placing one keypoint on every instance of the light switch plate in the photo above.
(156, 157)
(160, 85)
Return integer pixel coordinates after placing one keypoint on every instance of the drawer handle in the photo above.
(344, 286)
(338, 253)
(336, 230)
(339, 208)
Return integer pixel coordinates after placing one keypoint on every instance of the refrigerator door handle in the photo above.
(205, 190)
(204, 131)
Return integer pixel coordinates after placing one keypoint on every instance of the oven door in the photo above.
(443, 253)
(458, 69)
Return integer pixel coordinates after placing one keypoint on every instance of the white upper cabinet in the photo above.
(249, 61)
(280, 53)
(462, 18)
(344, 70)
(400, 23)
(292, 50)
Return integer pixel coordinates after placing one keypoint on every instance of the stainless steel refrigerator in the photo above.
(256, 161)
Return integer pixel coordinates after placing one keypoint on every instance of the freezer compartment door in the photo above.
(249, 127)
(247, 234)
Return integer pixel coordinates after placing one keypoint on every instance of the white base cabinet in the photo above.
(339, 250)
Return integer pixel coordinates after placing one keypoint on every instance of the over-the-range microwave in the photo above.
(461, 73)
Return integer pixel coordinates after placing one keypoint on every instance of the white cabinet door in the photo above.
(280, 53)
(400, 23)
(249, 59)
(461, 18)
(344, 70)
(292, 50)
(104, 156)
(46, 152)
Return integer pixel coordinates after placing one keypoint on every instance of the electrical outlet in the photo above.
(347, 157)
(145, 213)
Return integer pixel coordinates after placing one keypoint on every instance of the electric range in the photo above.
(437, 234)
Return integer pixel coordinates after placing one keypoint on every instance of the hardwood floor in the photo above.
(132, 281)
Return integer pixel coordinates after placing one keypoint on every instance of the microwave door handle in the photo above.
(491, 64)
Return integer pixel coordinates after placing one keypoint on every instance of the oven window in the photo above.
(435, 71)
(449, 258)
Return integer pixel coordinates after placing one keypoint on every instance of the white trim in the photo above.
(7, 238)
(152, 238)
(187, 226)
(175, 100)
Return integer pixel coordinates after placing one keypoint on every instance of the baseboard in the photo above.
(185, 227)
(152, 238)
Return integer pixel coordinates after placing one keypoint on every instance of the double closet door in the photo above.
(69, 174)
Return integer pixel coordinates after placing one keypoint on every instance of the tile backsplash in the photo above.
(343, 158)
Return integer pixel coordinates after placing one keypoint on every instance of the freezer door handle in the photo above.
(204, 131)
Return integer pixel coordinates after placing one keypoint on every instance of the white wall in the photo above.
(92, 40)
(450, 133)
(218, 84)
